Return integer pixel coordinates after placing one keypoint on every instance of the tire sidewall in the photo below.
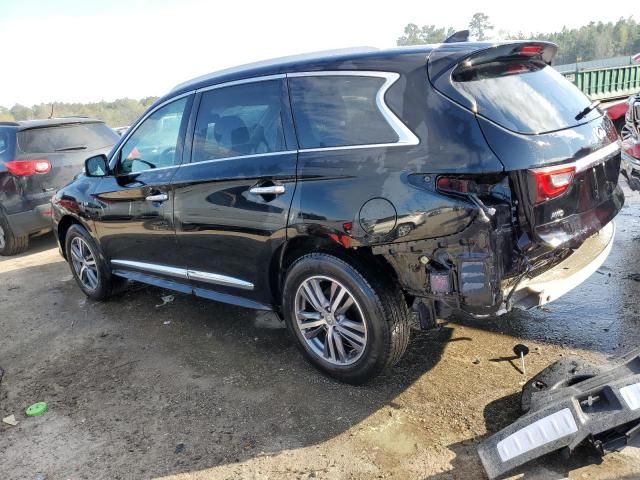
(12, 244)
(376, 351)
(8, 235)
(104, 276)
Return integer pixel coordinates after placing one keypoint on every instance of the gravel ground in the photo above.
(194, 389)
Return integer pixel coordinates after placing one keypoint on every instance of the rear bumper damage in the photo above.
(566, 275)
(569, 403)
(480, 272)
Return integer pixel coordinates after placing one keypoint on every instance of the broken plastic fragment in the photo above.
(10, 420)
(166, 299)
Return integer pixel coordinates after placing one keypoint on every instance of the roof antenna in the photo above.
(461, 36)
(51, 116)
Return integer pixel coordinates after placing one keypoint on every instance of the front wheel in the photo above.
(88, 267)
(348, 322)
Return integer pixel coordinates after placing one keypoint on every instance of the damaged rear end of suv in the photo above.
(343, 189)
(532, 218)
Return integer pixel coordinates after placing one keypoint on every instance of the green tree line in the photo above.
(593, 41)
(120, 112)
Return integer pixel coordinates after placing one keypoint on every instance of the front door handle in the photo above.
(269, 190)
(160, 197)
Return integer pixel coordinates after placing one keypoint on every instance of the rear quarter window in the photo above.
(523, 96)
(84, 136)
(7, 144)
(337, 111)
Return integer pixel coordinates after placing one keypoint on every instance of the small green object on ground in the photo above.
(37, 409)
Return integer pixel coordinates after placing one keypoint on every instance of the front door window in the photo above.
(154, 144)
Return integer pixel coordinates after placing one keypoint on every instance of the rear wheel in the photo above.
(346, 320)
(88, 267)
(11, 244)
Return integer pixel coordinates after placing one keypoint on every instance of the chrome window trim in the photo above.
(132, 130)
(214, 160)
(251, 155)
(405, 136)
(186, 274)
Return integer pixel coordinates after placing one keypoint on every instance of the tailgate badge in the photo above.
(557, 214)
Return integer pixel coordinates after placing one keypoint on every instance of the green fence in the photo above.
(607, 83)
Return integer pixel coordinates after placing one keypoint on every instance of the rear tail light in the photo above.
(24, 168)
(631, 148)
(551, 182)
(453, 184)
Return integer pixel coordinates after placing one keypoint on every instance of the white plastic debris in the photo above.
(166, 299)
(10, 420)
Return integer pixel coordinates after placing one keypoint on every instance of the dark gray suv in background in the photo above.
(343, 190)
(36, 158)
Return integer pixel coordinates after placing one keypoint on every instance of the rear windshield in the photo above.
(61, 138)
(523, 96)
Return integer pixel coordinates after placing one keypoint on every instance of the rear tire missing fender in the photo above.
(348, 321)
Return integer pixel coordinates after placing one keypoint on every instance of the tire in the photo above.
(11, 244)
(106, 284)
(378, 313)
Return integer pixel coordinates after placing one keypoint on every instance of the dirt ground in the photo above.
(195, 390)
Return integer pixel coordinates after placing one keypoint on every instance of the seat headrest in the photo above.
(231, 131)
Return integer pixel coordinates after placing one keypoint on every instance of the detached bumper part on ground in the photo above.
(568, 403)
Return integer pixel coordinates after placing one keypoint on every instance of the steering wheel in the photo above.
(151, 165)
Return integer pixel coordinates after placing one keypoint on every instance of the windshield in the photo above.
(524, 96)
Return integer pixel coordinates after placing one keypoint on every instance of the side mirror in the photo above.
(97, 166)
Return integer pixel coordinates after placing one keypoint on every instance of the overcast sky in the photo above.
(81, 50)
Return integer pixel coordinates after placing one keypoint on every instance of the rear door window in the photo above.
(239, 120)
(524, 96)
(338, 111)
(83, 136)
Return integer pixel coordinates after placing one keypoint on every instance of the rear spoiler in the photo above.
(453, 52)
(444, 59)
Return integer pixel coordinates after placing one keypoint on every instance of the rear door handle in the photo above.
(270, 190)
(160, 197)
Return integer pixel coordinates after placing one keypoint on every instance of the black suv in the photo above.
(36, 158)
(348, 189)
